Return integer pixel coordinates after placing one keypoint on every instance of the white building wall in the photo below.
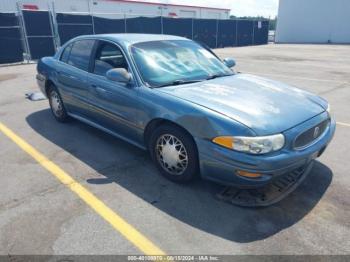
(103, 7)
(313, 21)
(188, 13)
(340, 32)
(62, 5)
(213, 15)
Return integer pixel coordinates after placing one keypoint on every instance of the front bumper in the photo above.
(268, 195)
(220, 164)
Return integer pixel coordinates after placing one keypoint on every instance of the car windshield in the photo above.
(175, 62)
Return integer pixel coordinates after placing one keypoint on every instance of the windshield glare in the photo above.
(164, 62)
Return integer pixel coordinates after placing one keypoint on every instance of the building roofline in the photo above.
(162, 4)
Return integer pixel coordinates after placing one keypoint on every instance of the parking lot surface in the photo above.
(39, 214)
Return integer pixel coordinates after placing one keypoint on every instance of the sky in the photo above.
(266, 8)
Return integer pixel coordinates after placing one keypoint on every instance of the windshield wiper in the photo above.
(217, 75)
(180, 82)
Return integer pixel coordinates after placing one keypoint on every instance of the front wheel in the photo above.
(174, 153)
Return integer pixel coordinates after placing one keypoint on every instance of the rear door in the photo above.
(72, 76)
(115, 105)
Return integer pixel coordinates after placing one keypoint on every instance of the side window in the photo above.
(80, 54)
(65, 53)
(108, 56)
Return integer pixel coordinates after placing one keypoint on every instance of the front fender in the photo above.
(200, 122)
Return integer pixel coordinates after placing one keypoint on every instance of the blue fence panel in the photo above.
(8, 19)
(64, 18)
(37, 23)
(10, 39)
(39, 33)
(227, 30)
(67, 32)
(10, 45)
(244, 32)
(261, 32)
(106, 25)
(180, 27)
(144, 25)
(40, 47)
(204, 31)
(70, 26)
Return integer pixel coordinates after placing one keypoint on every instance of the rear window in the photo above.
(65, 53)
(80, 54)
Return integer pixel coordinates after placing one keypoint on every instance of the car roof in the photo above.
(130, 38)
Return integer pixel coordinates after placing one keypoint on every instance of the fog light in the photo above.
(248, 174)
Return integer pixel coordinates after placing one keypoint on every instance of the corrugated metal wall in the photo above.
(313, 21)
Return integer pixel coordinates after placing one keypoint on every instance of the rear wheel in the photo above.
(56, 105)
(174, 153)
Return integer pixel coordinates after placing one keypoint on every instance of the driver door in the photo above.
(114, 105)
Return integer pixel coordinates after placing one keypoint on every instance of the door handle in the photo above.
(73, 77)
(67, 75)
(99, 89)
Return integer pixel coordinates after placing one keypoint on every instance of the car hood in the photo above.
(265, 106)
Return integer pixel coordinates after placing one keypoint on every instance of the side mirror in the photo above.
(229, 62)
(118, 75)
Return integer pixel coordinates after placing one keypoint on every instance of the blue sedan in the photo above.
(197, 117)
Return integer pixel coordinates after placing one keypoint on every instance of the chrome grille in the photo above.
(311, 134)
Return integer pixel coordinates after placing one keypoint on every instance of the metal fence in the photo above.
(30, 35)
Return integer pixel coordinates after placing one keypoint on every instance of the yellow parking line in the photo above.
(117, 222)
(343, 124)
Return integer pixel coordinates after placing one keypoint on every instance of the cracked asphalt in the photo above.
(39, 215)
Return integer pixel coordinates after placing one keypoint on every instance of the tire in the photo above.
(56, 104)
(170, 146)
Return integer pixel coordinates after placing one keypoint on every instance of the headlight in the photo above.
(329, 109)
(252, 145)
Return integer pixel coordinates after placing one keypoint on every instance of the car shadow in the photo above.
(195, 204)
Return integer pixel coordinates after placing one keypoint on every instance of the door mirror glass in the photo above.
(229, 62)
(118, 75)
